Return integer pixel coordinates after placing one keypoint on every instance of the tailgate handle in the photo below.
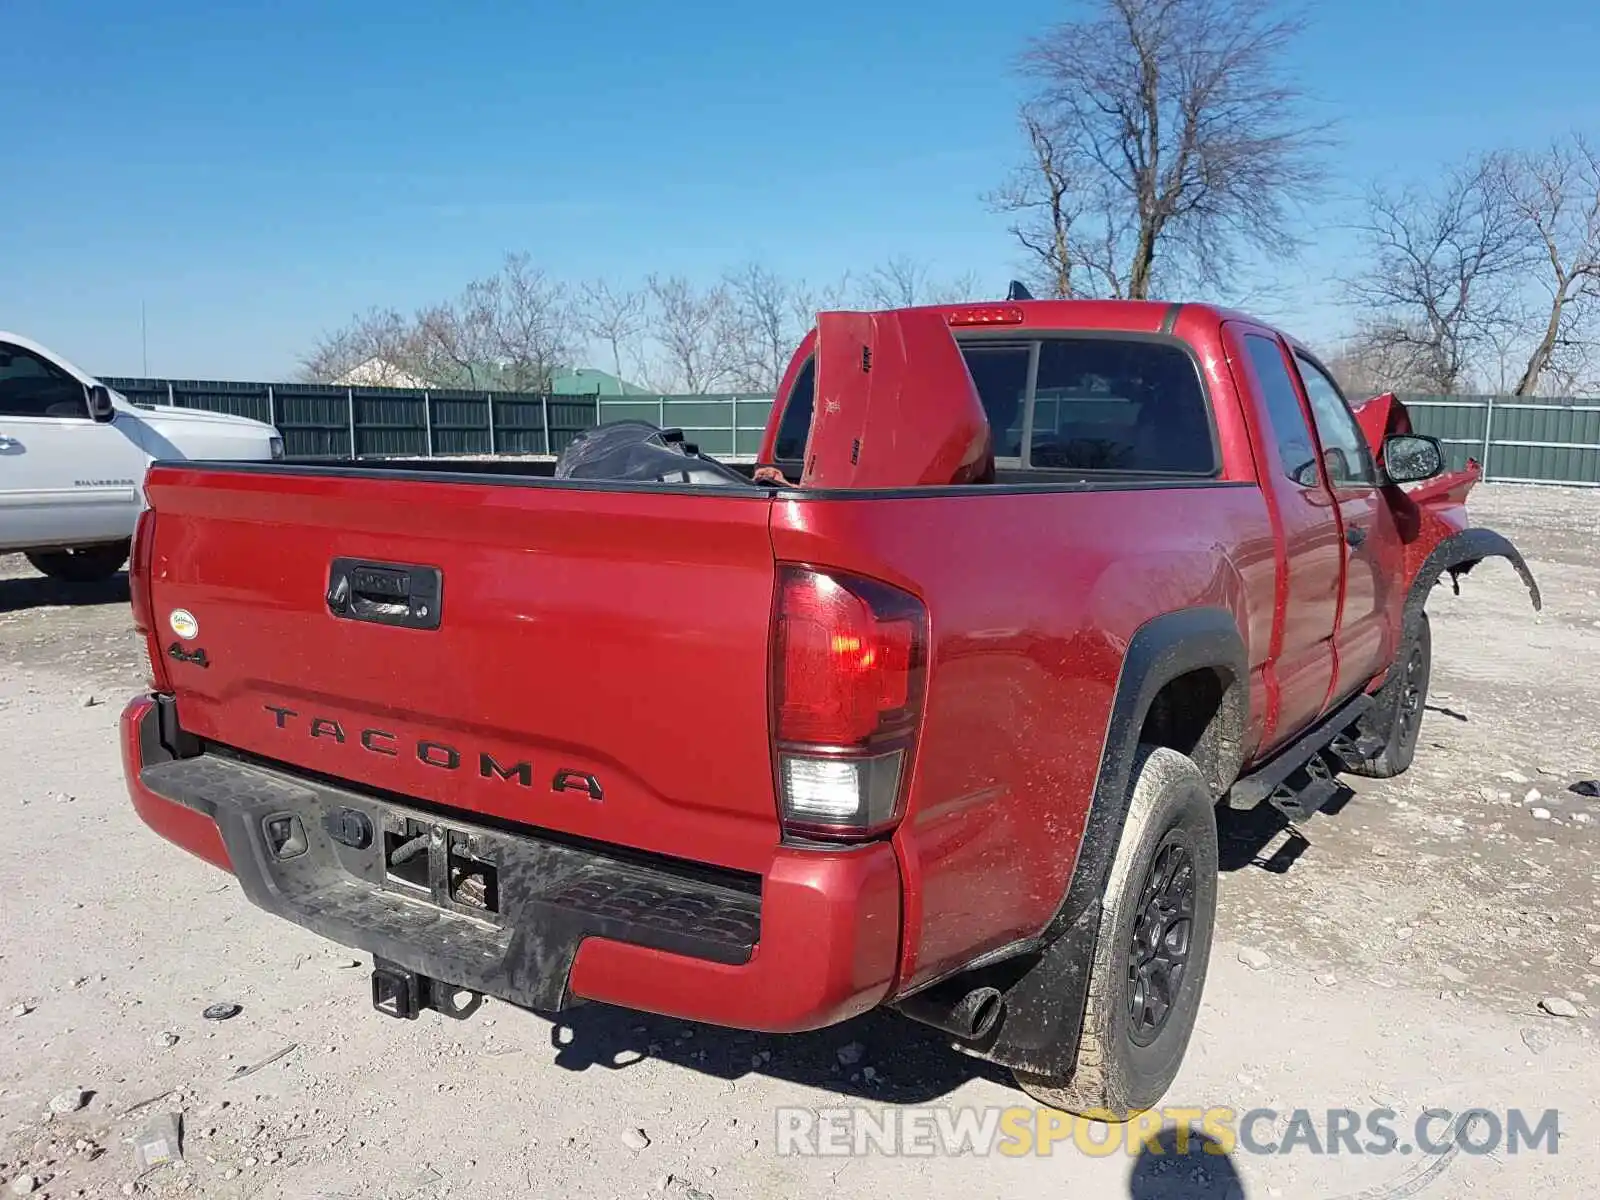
(404, 594)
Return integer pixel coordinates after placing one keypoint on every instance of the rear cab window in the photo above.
(1068, 402)
(1119, 404)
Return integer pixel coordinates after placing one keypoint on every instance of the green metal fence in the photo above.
(1516, 440)
(326, 421)
(730, 426)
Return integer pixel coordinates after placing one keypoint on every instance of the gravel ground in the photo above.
(1394, 954)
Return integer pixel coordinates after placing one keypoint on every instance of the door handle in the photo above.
(386, 593)
(1354, 535)
(8, 443)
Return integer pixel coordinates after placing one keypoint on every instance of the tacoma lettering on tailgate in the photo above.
(433, 753)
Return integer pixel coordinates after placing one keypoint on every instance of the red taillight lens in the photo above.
(144, 533)
(849, 659)
(144, 537)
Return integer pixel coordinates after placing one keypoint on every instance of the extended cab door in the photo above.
(1374, 572)
(65, 479)
(1301, 671)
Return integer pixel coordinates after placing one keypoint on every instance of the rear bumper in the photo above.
(812, 942)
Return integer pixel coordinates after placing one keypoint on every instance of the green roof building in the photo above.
(587, 381)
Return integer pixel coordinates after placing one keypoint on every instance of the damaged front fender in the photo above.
(1432, 519)
(1456, 555)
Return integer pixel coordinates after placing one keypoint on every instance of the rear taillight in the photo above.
(144, 537)
(849, 662)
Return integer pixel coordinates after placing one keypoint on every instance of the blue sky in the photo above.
(253, 176)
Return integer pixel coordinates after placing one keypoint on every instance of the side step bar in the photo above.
(1306, 792)
(1266, 781)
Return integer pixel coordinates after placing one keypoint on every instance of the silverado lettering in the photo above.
(933, 709)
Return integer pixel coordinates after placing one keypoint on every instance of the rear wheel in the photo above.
(1150, 960)
(82, 564)
(1396, 712)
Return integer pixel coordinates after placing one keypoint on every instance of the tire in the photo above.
(1126, 1062)
(82, 564)
(1396, 712)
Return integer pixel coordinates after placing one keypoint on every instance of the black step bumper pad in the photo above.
(548, 894)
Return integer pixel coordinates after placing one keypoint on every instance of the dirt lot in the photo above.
(1394, 956)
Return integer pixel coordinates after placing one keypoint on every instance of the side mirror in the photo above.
(101, 407)
(1412, 457)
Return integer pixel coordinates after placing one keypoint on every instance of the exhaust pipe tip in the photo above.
(980, 1011)
(970, 1015)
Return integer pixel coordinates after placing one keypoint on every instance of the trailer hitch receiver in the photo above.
(402, 993)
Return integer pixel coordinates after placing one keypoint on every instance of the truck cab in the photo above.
(73, 454)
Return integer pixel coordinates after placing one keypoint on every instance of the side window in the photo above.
(1344, 448)
(1295, 447)
(795, 426)
(1120, 404)
(33, 387)
(1000, 373)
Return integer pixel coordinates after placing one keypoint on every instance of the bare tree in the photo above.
(1377, 359)
(511, 330)
(380, 343)
(531, 325)
(761, 325)
(958, 289)
(1164, 136)
(1556, 195)
(1574, 372)
(806, 301)
(456, 340)
(1504, 344)
(1442, 281)
(895, 283)
(691, 327)
(614, 318)
(904, 282)
(1044, 208)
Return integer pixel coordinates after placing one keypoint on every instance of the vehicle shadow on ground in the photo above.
(40, 591)
(1197, 1170)
(879, 1057)
(1243, 836)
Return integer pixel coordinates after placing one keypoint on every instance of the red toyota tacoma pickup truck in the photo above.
(933, 713)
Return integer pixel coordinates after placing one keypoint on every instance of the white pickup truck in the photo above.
(73, 454)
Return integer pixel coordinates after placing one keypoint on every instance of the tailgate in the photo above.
(598, 665)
